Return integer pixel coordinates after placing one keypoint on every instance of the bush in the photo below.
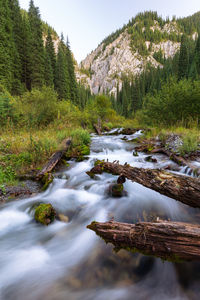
(7, 175)
(176, 103)
(80, 137)
(190, 143)
(6, 108)
(38, 107)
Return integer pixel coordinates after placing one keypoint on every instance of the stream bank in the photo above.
(66, 260)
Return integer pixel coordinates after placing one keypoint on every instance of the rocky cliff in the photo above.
(104, 67)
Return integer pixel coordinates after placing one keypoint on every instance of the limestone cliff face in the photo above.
(102, 70)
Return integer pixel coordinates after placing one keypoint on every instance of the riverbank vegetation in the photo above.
(41, 103)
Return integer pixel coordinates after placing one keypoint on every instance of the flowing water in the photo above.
(68, 261)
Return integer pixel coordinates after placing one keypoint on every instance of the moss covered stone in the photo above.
(45, 214)
(47, 179)
(116, 190)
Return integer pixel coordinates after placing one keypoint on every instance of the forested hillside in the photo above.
(28, 56)
(178, 77)
(41, 102)
(141, 57)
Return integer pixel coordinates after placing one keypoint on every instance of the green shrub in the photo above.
(80, 137)
(38, 107)
(190, 144)
(6, 108)
(176, 103)
(7, 175)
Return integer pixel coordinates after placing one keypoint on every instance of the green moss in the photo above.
(99, 162)
(91, 174)
(45, 214)
(135, 153)
(117, 190)
(47, 179)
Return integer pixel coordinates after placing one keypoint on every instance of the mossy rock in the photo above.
(45, 214)
(150, 159)
(116, 190)
(135, 153)
(47, 179)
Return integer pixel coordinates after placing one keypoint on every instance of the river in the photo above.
(68, 261)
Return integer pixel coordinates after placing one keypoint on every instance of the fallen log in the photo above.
(182, 188)
(54, 160)
(174, 241)
(177, 159)
(151, 147)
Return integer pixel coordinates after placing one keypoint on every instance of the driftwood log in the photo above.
(173, 241)
(54, 160)
(182, 188)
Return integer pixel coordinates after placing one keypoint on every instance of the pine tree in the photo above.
(36, 47)
(72, 77)
(26, 50)
(183, 65)
(197, 54)
(50, 52)
(6, 46)
(48, 74)
(62, 80)
(17, 34)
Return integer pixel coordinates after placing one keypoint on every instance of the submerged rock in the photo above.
(150, 159)
(116, 190)
(121, 179)
(63, 218)
(45, 214)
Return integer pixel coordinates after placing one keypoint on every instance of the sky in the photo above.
(88, 22)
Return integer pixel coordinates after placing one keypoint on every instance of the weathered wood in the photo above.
(182, 188)
(97, 128)
(181, 161)
(177, 159)
(54, 160)
(174, 241)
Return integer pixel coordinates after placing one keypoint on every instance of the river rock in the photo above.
(151, 159)
(45, 214)
(63, 218)
(116, 190)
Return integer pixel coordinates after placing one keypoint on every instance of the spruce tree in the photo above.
(62, 80)
(183, 65)
(6, 46)
(48, 74)
(197, 54)
(36, 47)
(26, 49)
(72, 77)
(17, 35)
(50, 52)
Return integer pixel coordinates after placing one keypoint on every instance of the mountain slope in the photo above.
(146, 39)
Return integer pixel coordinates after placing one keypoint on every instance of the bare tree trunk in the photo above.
(182, 188)
(174, 241)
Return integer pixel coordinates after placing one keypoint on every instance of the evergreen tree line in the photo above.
(185, 65)
(28, 58)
